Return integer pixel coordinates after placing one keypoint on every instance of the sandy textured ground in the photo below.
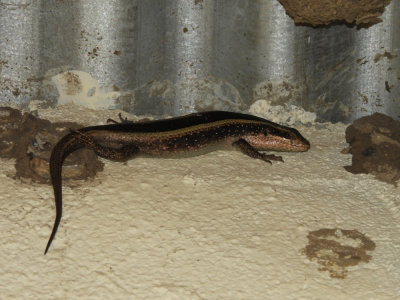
(218, 226)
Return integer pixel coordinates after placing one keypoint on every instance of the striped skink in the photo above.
(188, 135)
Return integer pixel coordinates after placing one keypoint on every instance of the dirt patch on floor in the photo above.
(337, 249)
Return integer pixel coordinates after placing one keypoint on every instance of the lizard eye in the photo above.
(286, 135)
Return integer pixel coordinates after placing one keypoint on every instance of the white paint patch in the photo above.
(282, 114)
(81, 88)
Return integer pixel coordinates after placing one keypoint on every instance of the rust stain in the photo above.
(386, 54)
(73, 83)
(337, 249)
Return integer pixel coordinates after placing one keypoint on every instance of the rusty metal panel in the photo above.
(176, 56)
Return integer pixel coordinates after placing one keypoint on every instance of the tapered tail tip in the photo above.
(47, 249)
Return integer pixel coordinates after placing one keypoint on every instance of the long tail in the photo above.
(61, 150)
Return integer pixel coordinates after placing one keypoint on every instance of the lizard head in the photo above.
(278, 138)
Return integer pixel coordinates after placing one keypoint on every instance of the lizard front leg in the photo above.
(249, 150)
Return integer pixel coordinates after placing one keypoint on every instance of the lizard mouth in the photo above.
(295, 144)
(300, 144)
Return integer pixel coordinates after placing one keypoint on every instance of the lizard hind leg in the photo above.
(122, 153)
(121, 120)
(118, 154)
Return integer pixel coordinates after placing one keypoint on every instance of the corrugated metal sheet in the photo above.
(176, 56)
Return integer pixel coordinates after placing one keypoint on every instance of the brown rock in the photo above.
(324, 12)
(375, 146)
